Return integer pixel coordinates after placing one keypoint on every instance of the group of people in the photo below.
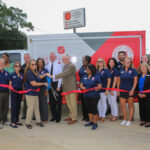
(115, 82)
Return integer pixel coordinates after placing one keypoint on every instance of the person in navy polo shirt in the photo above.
(121, 57)
(43, 92)
(32, 81)
(112, 96)
(91, 80)
(4, 94)
(104, 74)
(16, 81)
(82, 72)
(127, 80)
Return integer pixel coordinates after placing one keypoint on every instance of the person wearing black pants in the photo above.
(16, 81)
(26, 59)
(43, 106)
(82, 72)
(55, 99)
(144, 98)
(55, 102)
(91, 80)
(15, 108)
(4, 94)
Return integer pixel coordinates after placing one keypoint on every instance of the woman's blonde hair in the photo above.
(144, 64)
(131, 66)
(28, 67)
(104, 63)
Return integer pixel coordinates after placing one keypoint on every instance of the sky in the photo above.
(101, 15)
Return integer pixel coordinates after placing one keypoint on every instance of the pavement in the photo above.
(61, 136)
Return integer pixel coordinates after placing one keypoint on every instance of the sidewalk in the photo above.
(108, 136)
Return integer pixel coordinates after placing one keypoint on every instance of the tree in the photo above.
(11, 21)
(13, 18)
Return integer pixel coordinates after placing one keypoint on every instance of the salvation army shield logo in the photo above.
(128, 50)
(61, 49)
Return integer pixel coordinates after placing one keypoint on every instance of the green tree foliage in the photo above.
(11, 21)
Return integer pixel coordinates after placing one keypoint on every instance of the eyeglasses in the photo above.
(33, 64)
(17, 66)
(100, 61)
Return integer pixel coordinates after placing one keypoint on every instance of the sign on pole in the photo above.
(74, 18)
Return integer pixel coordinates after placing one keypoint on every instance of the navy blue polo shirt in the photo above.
(82, 72)
(113, 73)
(4, 79)
(120, 65)
(30, 76)
(43, 71)
(104, 75)
(91, 83)
(17, 82)
(127, 78)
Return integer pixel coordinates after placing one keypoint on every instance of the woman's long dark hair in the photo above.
(38, 61)
(115, 63)
(92, 68)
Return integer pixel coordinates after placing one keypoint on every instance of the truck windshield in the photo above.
(14, 57)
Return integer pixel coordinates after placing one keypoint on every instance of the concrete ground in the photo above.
(60, 136)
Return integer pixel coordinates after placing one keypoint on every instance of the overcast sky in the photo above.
(101, 15)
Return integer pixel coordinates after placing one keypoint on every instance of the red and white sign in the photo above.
(74, 18)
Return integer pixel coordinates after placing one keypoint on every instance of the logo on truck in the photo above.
(61, 49)
(128, 50)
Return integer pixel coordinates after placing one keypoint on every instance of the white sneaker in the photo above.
(7, 123)
(123, 122)
(128, 123)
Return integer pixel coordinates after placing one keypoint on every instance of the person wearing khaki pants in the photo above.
(69, 83)
(72, 105)
(33, 106)
(32, 82)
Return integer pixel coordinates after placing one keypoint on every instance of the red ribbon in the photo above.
(19, 92)
(111, 89)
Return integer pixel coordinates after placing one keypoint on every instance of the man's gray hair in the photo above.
(26, 54)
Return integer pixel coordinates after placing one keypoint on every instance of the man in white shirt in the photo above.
(55, 67)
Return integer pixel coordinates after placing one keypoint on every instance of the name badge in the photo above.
(130, 71)
(93, 78)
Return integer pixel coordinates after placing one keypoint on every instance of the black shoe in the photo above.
(19, 124)
(83, 119)
(57, 121)
(147, 125)
(23, 118)
(33, 118)
(13, 125)
(87, 119)
(120, 117)
(52, 120)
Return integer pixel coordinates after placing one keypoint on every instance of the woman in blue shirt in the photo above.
(144, 98)
(32, 81)
(127, 80)
(91, 80)
(16, 81)
(105, 77)
(43, 92)
(112, 96)
(82, 72)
